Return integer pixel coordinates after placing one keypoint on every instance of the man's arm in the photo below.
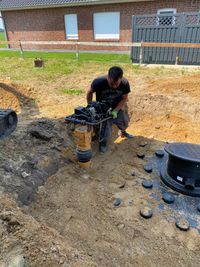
(89, 95)
(122, 103)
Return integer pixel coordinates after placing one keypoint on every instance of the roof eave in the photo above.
(102, 2)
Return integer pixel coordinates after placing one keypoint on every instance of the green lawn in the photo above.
(124, 58)
(2, 38)
(59, 65)
(56, 65)
(71, 91)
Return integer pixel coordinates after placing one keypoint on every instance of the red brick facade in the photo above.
(48, 24)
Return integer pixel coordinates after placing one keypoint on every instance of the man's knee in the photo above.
(122, 120)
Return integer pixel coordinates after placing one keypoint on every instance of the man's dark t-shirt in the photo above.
(104, 92)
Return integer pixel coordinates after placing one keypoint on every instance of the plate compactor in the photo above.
(89, 122)
(8, 122)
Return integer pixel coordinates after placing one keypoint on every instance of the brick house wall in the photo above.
(48, 24)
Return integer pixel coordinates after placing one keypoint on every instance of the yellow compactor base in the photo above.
(82, 139)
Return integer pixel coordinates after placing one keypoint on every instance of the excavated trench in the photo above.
(73, 217)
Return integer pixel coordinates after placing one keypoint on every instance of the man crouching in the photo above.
(114, 89)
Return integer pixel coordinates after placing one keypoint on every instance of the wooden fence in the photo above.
(78, 45)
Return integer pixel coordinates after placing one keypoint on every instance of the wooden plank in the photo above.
(186, 45)
(82, 43)
(9, 42)
(118, 44)
(73, 43)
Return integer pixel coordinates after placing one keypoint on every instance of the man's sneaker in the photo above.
(124, 134)
(103, 148)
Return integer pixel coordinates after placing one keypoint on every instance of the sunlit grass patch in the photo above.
(2, 38)
(71, 91)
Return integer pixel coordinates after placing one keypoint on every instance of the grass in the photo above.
(123, 58)
(2, 38)
(76, 73)
(71, 91)
(56, 64)
(22, 70)
(30, 54)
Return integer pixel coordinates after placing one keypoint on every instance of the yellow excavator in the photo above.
(8, 122)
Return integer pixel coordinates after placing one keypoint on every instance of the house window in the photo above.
(1, 24)
(71, 26)
(166, 17)
(106, 25)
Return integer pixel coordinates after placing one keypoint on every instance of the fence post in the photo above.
(5, 30)
(141, 54)
(21, 49)
(133, 49)
(181, 38)
(77, 51)
(177, 59)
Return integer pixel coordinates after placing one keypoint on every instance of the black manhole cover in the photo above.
(181, 169)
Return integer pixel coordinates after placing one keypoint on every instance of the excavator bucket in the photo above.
(8, 122)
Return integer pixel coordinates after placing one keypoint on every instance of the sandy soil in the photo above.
(70, 219)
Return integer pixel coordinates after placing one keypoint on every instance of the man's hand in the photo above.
(122, 103)
(114, 114)
(89, 95)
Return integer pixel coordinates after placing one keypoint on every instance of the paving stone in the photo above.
(182, 224)
(160, 153)
(146, 212)
(147, 184)
(148, 167)
(143, 144)
(198, 207)
(133, 173)
(140, 154)
(122, 185)
(117, 202)
(168, 197)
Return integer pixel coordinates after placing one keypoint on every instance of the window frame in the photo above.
(158, 20)
(103, 37)
(76, 36)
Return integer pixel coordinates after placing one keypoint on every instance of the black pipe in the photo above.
(184, 169)
(181, 169)
(189, 184)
